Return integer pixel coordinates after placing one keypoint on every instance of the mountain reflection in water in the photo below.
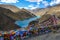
(26, 22)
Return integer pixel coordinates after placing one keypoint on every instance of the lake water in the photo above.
(26, 22)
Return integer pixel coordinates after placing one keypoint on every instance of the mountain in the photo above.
(6, 21)
(9, 16)
(49, 10)
(39, 11)
(55, 10)
(44, 17)
(19, 14)
(11, 7)
(47, 13)
(35, 10)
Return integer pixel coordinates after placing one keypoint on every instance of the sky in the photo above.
(31, 4)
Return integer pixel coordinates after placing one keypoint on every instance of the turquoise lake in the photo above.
(26, 22)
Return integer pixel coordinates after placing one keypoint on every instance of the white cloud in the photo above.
(45, 3)
(31, 6)
(34, 0)
(36, 6)
(38, 1)
(54, 2)
(9, 1)
(57, 1)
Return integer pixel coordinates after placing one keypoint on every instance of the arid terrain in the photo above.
(9, 14)
(46, 14)
(49, 36)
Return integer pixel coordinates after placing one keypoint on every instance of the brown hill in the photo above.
(48, 12)
(8, 17)
(6, 22)
(11, 7)
(18, 14)
(55, 10)
(44, 17)
(39, 12)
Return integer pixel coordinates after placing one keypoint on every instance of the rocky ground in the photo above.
(49, 36)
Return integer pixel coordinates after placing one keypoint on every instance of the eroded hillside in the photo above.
(50, 10)
(8, 18)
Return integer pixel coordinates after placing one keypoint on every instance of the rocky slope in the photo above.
(39, 12)
(8, 17)
(44, 17)
(50, 36)
(7, 22)
(18, 14)
(50, 10)
(12, 8)
(55, 10)
(46, 13)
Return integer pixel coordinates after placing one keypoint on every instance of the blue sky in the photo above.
(31, 4)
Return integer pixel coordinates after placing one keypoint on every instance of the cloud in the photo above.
(30, 7)
(54, 2)
(34, 0)
(57, 1)
(38, 1)
(45, 3)
(9, 1)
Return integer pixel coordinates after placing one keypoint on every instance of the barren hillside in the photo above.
(8, 18)
(50, 10)
(12, 8)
